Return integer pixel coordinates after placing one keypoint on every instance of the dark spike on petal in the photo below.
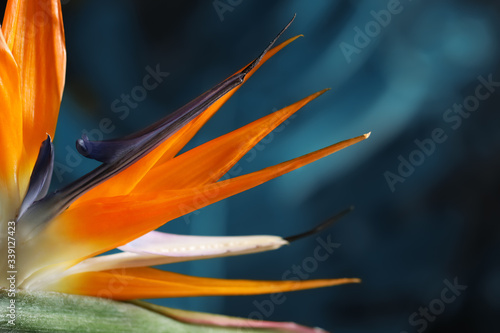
(320, 227)
(119, 154)
(259, 58)
(40, 177)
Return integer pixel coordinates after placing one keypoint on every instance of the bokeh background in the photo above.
(439, 222)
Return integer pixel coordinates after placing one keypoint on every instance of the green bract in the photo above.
(56, 312)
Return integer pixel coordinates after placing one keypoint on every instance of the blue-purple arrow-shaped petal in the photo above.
(40, 177)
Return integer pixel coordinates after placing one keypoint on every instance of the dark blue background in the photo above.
(440, 223)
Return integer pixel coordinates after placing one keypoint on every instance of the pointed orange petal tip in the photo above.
(321, 92)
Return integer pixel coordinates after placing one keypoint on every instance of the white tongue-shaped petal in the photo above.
(158, 248)
(160, 243)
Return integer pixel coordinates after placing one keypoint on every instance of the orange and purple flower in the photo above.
(141, 184)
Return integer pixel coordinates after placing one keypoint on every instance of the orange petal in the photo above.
(35, 34)
(125, 181)
(134, 283)
(12, 127)
(209, 162)
(106, 223)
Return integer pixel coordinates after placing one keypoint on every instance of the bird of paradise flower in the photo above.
(141, 184)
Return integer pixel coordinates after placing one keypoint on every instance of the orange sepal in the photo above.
(35, 34)
(209, 162)
(12, 126)
(144, 282)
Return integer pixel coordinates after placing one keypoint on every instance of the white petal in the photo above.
(161, 243)
(158, 248)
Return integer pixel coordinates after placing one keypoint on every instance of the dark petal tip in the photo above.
(81, 146)
(320, 227)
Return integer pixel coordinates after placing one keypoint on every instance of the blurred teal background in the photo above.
(396, 74)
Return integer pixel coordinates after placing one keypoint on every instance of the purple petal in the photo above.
(40, 176)
(139, 143)
(142, 142)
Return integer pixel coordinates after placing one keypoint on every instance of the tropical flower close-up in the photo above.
(56, 272)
